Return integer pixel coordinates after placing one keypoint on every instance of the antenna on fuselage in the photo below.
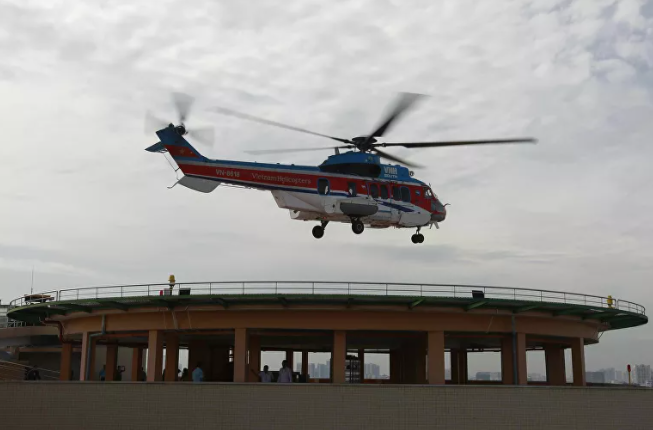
(337, 151)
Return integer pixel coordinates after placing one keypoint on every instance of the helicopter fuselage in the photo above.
(349, 187)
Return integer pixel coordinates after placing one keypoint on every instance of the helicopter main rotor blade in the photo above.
(405, 101)
(280, 151)
(153, 123)
(240, 115)
(204, 135)
(182, 102)
(395, 158)
(456, 143)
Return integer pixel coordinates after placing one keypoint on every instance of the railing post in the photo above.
(541, 296)
(244, 288)
(313, 288)
(420, 291)
(210, 287)
(121, 292)
(148, 290)
(97, 293)
(77, 294)
(348, 289)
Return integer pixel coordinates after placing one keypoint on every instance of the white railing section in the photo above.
(13, 323)
(329, 288)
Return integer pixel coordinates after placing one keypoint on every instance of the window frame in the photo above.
(328, 186)
(383, 187)
(396, 192)
(353, 186)
(407, 193)
(373, 186)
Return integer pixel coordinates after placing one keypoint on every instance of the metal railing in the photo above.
(10, 371)
(13, 323)
(329, 288)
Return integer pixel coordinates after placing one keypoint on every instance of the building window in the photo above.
(405, 194)
(384, 192)
(374, 191)
(323, 186)
(351, 187)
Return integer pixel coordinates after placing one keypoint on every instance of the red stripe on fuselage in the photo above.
(301, 180)
(181, 151)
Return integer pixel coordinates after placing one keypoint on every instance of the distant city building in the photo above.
(372, 371)
(595, 377)
(642, 374)
(536, 377)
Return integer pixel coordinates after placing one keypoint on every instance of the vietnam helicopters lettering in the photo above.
(352, 187)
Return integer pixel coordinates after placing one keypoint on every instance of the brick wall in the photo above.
(94, 405)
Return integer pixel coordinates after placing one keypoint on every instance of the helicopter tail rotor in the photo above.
(182, 103)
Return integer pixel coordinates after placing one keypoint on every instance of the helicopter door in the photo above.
(380, 193)
(324, 191)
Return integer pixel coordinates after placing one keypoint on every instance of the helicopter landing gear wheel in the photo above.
(417, 238)
(357, 226)
(318, 232)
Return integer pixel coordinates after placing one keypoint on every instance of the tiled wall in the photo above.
(94, 405)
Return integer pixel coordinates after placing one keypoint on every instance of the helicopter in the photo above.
(351, 186)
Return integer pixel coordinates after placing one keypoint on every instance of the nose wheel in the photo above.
(417, 237)
(318, 230)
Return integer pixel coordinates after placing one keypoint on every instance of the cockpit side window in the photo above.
(351, 187)
(374, 191)
(396, 193)
(384, 191)
(405, 194)
(427, 193)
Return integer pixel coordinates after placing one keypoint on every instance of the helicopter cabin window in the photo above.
(374, 191)
(396, 193)
(427, 193)
(323, 186)
(384, 191)
(405, 194)
(351, 188)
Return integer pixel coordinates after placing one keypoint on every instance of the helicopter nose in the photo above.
(439, 211)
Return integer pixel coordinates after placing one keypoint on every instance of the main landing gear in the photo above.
(417, 237)
(357, 226)
(318, 230)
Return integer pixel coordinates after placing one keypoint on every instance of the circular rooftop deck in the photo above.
(613, 313)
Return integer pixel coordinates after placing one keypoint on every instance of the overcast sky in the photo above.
(84, 204)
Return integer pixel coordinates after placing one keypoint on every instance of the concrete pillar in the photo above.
(361, 364)
(522, 375)
(240, 355)
(395, 367)
(290, 359)
(459, 368)
(172, 357)
(578, 361)
(305, 365)
(154, 355)
(420, 361)
(87, 365)
(554, 356)
(137, 364)
(254, 358)
(66, 358)
(435, 345)
(111, 362)
(338, 356)
(507, 360)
